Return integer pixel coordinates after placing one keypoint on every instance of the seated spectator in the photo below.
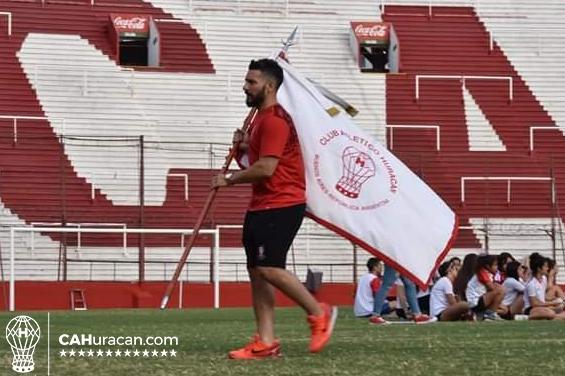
(425, 295)
(483, 294)
(554, 293)
(367, 287)
(455, 261)
(535, 305)
(503, 260)
(513, 301)
(443, 303)
(465, 273)
(388, 280)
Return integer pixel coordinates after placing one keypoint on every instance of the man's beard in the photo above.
(257, 100)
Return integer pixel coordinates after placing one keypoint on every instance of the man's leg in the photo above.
(411, 295)
(274, 235)
(263, 306)
(389, 277)
(291, 287)
(321, 317)
(263, 344)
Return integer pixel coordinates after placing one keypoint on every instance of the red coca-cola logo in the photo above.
(371, 31)
(133, 23)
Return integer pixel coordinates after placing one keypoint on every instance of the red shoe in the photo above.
(322, 328)
(423, 319)
(257, 350)
(378, 320)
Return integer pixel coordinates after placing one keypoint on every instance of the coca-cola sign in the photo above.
(370, 30)
(130, 23)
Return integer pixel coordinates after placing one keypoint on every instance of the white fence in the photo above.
(125, 231)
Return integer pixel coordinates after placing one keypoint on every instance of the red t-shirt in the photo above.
(272, 134)
(484, 276)
(375, 285)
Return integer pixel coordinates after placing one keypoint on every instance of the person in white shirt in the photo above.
(513, 301)
(368, 285)
(535, 305)
(482, 293)
(443, 303)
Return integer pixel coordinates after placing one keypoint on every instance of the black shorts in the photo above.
(508, 315)
(424, 304)
(480, 307)
(400, 313)
(268, 235)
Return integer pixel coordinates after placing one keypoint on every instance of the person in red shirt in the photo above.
(269, 153)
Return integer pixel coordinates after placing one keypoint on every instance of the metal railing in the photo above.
(533, 128)
(463, 79)
(239, 6)
(92, 2)
(78, 226)
(92, 75)
(125, 231)
(435, 127)
(184, 176)
(15, 119)
(432, 4)
(509, 180)
(9, 17)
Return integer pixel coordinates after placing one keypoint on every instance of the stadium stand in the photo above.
(60, 64)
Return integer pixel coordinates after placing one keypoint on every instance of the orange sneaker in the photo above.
(322, 327)
(257, 350)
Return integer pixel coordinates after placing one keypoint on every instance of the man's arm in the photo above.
(262, 169)
(240, 142)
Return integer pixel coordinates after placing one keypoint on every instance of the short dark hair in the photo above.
(269, 68)
(444, 268)
(372, 262)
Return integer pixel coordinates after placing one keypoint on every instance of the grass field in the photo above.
(204, 337)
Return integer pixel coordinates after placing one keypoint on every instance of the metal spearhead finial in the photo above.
(290, 41)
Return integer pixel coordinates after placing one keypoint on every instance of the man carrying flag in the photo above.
(272, 159)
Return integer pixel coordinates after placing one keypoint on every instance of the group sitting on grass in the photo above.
(482, 287)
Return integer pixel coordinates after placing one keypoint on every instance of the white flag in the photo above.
(358, 189)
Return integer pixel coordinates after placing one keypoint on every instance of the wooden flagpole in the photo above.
(202, 217)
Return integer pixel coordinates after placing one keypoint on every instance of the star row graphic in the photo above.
(116, 353)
